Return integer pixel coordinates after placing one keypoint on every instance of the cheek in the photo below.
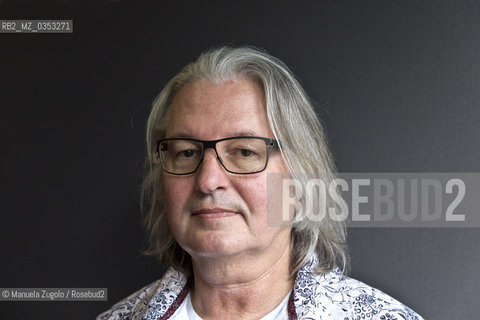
(254, 194)
(175, 195)
(265, 203)
(273, 201)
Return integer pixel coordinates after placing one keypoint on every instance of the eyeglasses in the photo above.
(239, 155)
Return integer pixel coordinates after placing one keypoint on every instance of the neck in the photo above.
(245, 287)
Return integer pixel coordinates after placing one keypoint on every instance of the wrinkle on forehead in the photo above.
(235, 106)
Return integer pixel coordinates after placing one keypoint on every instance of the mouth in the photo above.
(212, 213)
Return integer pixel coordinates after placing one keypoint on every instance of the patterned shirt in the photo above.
(323, 296)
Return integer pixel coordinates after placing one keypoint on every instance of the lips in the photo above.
(214, 212)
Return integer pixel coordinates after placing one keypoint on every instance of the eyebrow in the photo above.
(245, 133)
(181, 134)
(187, 135)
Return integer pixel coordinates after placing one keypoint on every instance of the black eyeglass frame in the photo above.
(212, 144)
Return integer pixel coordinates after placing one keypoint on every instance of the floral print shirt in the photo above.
(324, 296)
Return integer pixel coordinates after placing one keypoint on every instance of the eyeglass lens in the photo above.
(242, 155)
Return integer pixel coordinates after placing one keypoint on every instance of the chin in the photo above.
(215, 245)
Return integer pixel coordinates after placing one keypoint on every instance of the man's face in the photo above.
(214, 213)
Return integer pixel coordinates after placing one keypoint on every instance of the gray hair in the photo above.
(304, 149)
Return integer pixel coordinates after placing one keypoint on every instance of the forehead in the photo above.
(207, 110)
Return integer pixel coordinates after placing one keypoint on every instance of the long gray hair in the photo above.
(304, 148)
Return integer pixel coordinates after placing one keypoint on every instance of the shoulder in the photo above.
(336, 296)
(150, 301)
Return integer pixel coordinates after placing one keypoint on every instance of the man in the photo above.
(216, 132)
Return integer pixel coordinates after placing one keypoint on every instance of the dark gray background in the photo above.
(397, 84)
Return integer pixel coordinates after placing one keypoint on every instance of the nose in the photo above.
(211, 176)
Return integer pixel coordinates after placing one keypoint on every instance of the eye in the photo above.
(246, 152)
(187, 153)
